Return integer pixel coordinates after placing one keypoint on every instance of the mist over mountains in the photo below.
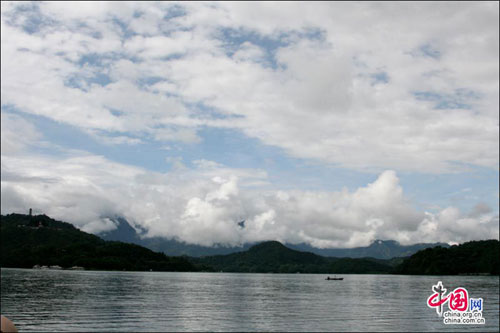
(380, 249)
(304, 120)
(41, 242)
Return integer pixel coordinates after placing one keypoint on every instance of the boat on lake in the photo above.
(335, 278)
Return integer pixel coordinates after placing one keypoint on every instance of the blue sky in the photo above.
(310, 121)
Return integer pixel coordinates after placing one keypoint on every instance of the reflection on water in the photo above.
(43, 300)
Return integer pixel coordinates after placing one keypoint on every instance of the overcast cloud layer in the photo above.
(385, 89)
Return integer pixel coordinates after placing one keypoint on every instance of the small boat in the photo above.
(334, 278)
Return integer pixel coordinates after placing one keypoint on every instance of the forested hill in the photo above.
(476, 257)
(39, 240)
(380, 249)
(274, 257)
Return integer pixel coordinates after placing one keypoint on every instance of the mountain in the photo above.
(125, 233)
(380, 249)
(274, 257)
(475, 257)
(26, 241)
(39, 240)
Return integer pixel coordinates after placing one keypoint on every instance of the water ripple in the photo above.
(151, 301)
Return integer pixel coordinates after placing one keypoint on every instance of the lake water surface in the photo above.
(45, 300)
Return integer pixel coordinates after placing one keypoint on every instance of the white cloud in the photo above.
(101, 225)
(321, 102)
(451, 224)
(249, 52)
(369, 86)
(17, 134)
(203, 205)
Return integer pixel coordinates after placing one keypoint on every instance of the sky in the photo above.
(329, 123)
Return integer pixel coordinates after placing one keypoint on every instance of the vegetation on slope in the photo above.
(39, 240)
(274, 257)
(380, 249)
(476, 257)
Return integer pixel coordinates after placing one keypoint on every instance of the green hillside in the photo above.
(274, 257)
(39, 240)
(476, 257)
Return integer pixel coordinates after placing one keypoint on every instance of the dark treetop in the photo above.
(380, 249)
(39, 240)
(476, 257)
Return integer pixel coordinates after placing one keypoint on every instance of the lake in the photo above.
(50, 300)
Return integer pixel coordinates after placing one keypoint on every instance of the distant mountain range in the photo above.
(172, 247)
(41, 242)
(380, 249)
(470, 258)
(274, 257)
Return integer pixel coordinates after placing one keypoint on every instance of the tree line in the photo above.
(27, 241)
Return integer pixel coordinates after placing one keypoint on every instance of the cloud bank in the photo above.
(384, 89)
(203, 205)
(411, 87)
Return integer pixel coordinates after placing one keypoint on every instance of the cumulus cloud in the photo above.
(450, 221)
(203, 205)
(366, 86)
(17, 133)
(410, 87)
